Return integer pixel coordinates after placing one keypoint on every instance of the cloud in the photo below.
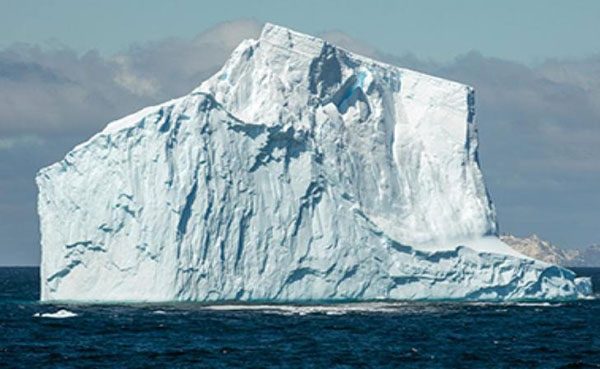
(173, 67)
(8, 143)
(230, 34)
(539, 124)
(58, 91)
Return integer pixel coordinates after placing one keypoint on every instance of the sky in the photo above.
(69, 67)
(517, 30)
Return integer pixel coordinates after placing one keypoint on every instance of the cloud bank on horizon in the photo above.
(539, 125)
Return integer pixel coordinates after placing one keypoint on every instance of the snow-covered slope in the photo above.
(299, 172)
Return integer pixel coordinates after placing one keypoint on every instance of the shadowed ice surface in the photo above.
(536, 335)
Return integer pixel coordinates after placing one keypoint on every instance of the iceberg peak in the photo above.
(287, 38)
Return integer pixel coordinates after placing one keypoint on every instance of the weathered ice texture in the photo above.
(299, 172)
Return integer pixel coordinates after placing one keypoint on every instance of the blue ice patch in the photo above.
(358, 83)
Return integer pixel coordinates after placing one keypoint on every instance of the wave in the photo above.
(370, 307)
(328, 309)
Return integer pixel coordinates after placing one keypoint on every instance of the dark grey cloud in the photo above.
(539, 125)
(59, 91)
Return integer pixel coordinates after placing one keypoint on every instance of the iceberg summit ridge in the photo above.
(298, 172)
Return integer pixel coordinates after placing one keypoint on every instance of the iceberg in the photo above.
(300, 172)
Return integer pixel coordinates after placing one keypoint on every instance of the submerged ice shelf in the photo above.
(299, 172)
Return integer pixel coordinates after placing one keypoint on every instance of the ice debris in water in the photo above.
(60, 314)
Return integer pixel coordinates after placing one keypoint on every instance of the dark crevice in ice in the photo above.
(187, 210)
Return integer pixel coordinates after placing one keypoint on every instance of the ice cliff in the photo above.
(298, 172)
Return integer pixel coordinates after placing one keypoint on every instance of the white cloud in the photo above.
(7, 143)
(127, 78)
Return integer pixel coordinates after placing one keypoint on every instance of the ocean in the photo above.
(367, 335)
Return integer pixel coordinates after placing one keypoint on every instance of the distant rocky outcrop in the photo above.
(589, 257)
(535, 247)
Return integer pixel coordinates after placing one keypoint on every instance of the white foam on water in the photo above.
(333, 309)
(504, 304)
(537, 304)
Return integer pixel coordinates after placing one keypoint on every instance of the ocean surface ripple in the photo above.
(384, 335)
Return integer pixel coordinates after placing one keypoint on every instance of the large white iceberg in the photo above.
(299, 172)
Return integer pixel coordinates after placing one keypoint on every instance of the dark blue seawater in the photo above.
(401, 335)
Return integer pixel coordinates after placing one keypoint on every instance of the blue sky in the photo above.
(69, 67)
(517, 30)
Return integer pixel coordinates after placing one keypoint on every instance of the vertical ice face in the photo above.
(298, 172)
(406, 141)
